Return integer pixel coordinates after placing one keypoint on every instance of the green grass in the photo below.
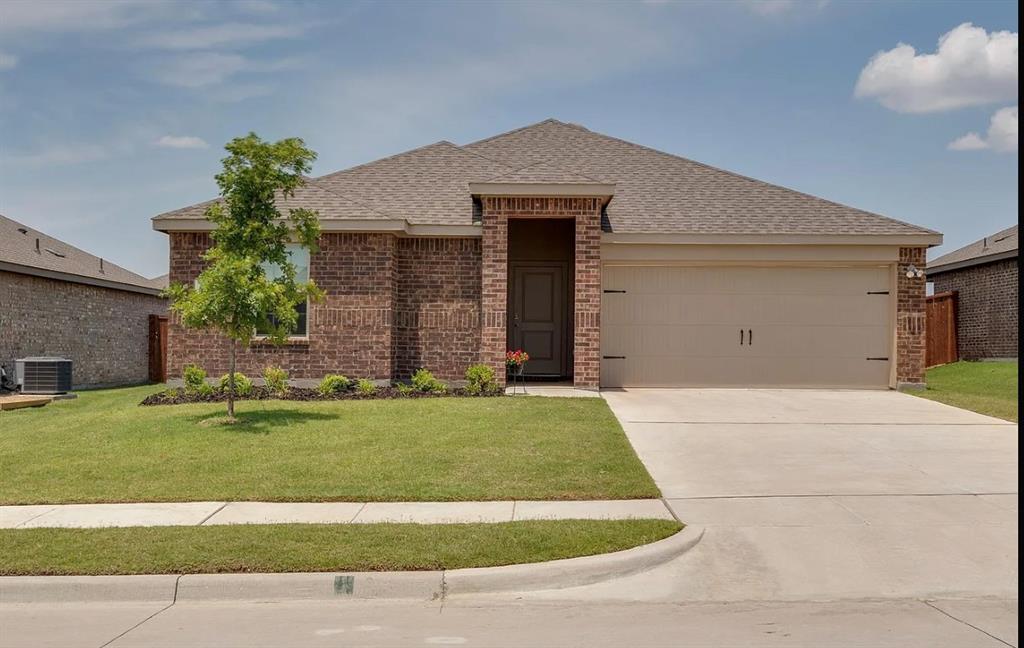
(103, 447)
(313, 547)
(984, 387)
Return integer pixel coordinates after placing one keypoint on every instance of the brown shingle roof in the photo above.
(1001, 244)
(655, 192)
(662, 193)
(23, 249)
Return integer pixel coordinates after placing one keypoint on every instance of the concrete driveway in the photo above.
(827, 494)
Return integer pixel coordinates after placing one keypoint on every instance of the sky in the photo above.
(111, 113)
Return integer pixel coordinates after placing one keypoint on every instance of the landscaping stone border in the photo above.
(180, 397)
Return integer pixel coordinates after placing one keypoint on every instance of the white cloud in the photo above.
(182, 142)
(971, 67)
(969, 142)
(27, 16)
(1001, 136)
(58, 154)
(223, 35)
(198, 70)
(8, 61)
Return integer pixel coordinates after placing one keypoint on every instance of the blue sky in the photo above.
(111, 113)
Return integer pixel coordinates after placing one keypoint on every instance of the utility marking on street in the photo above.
(344, 585)
(327, 632)
(366, 628)
(445, 641)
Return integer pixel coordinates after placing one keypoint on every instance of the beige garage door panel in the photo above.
(680, 326)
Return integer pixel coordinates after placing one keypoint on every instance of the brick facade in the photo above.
(987, 315)
(104, 332)
(910, 319)
(437, 306)
(392, 305)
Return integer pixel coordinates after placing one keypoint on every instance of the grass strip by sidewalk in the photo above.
(988, 388)
(314, 547)
(104, 447)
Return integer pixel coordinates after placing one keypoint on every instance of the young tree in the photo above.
(234, 294)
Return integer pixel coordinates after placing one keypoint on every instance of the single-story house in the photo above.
(57, 300)
(984, 275)
(612, 264)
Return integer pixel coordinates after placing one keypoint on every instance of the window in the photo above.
(299, 256)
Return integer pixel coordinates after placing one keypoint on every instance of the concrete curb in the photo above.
(571, 572)
(426, 585)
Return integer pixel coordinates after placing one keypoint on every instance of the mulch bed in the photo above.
(179, 397)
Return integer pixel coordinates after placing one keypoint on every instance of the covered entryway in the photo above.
(540, 294)
(743, 326)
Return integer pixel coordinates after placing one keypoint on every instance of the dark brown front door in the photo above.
(537, 315)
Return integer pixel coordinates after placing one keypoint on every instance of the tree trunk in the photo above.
(231, 379)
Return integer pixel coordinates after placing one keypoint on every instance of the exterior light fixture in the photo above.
(913, 271)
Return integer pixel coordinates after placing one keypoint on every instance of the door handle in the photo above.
(741, 337)
(750, 336)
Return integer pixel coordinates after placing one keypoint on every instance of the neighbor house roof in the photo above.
(28, 251)
(1001, 245)
(654, 192)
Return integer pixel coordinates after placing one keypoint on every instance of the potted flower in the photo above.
(515, 361)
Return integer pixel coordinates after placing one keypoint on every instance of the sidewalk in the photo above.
(213, 513)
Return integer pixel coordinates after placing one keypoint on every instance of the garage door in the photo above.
(672, 326)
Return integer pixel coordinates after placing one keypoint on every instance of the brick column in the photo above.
(494, 288)
(587, 316)
(586, 211)
(910, 319)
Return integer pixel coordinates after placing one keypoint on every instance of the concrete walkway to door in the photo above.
(825, 494)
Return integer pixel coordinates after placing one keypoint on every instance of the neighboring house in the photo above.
(611, 263)
(984, 276)
(56, 300)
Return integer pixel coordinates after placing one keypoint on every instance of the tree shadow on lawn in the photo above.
(260, 421)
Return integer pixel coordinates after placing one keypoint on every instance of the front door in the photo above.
(537, 316)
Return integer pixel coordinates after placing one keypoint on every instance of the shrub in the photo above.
(332, 384)
(366, 387)
(403, 389)
(424, 381)
(195, 378)
(243, 386)
(480, 380)
(276, 379)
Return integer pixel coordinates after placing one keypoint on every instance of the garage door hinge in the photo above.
(613, 357)
(877, 359)
(615, 291)
(878, 292)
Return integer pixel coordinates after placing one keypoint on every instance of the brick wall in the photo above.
(437, 306)
(987, 316)
(910, 319)
(104, 332)
(392, 305)
(497, 210)
(349, 331)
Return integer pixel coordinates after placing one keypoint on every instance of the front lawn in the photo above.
(103, 447)
(984, 387)
(315, 547)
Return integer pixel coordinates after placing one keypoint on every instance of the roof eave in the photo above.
(968, 263)
(396, 226)
(909, 240)
(542, 189)
(74, 278)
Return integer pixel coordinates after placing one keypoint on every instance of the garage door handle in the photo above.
(750, 336)
(741, 337)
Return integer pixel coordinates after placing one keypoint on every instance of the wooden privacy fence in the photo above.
(940, 329)
(157, 348)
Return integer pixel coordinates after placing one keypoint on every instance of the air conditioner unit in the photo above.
(43, 375)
